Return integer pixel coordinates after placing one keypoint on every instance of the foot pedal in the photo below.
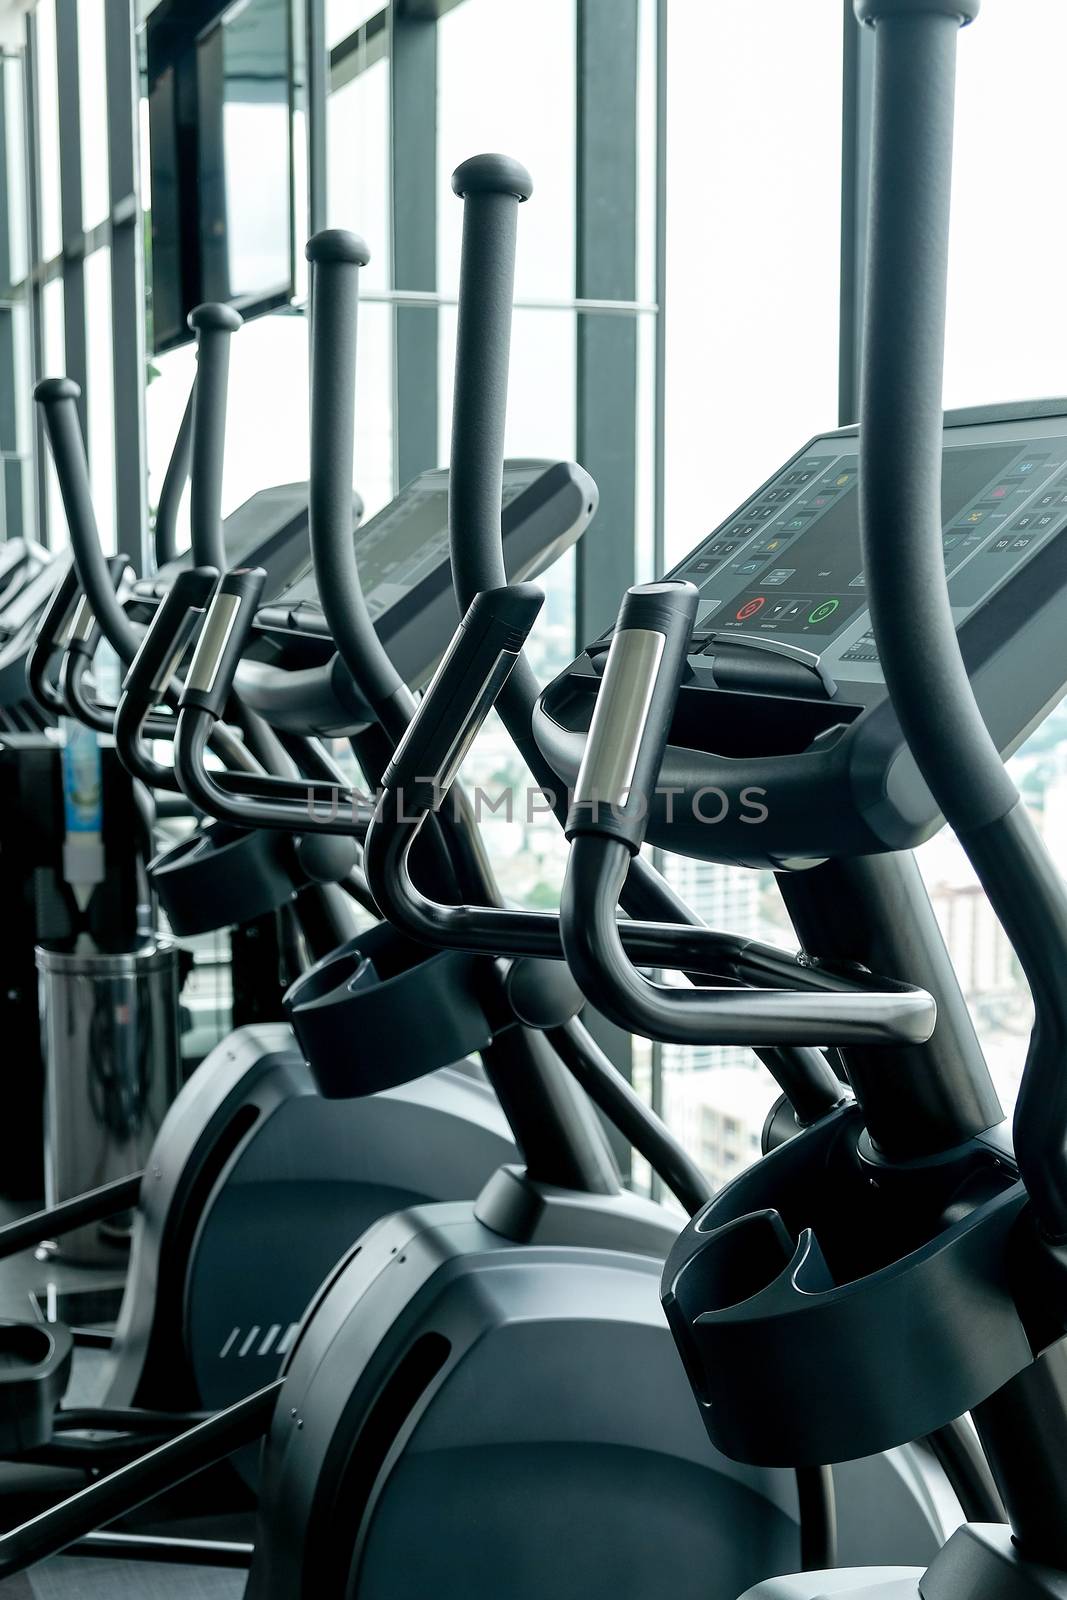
(35, 1362)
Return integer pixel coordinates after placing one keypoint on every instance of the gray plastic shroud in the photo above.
(979, 1562)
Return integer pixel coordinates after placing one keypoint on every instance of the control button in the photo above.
(776, 496)
(1023, 522)
(800, 521)
(763, 512)
(704, 565)
(741, 530)
(1021, 544)
(771, 544)
(1001, 491)
(750, 608)
(779, 575)
(951, 540)
(1049, 499)
(1046, 521)
(858, 582)
(1000, 544)
(1023, 469)
(826, 609)
(799, 477)
(723, 547)
(974, 516)
(747, 566)
(842, 479)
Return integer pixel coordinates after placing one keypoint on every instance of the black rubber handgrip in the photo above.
(223, 639)
(51, 635)
(168, 635)
(475, 666)
(58, 399)
(633, 712)
(85, 631)
(213, 325)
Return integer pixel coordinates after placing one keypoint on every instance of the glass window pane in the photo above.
(754, 157)
(374, 443)
(751, 304)
(358, 166)
(343, 17)
(15, 145)
(54, 344)
(47, 86)
(92, 87)
(1006, 337)
(484, 103)
(100, 399)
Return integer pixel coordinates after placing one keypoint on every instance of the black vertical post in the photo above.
(318, 73)
(127, 281)
(33, 190)
(856, 84)
(606, 269)
(70, 198)
(413, 111)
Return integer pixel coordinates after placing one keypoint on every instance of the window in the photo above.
(100, 399)
(357, 129)
(92, 85)
(47, 91)
(485, 104)
(751, 327)
(54, 351)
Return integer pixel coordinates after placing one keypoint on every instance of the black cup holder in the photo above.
(811, 1332)
(35, 1362)
(381, 1011)
(223, 875)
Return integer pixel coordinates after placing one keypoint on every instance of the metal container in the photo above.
(110, 1043)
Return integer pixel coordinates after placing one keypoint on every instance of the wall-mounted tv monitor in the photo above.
(220, 97)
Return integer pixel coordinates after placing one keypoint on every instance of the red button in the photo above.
(750, 608)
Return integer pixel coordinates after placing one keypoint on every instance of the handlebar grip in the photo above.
(168, 636)
(336, 258)
(213, 325)
(83, 637)
(632, 716)
(492, 188)
(222, 641)
(53, 630)
(58, 399)
(472, 672)
(55, 619)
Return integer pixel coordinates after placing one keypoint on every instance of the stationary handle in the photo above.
(223, 639)
(492, 188)
(461, 694)
(336, 258)
(58, 399)
(53, 630)
(213, 325)
(85, 632)
(632, 717)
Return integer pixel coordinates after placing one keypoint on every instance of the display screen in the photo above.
(790, 563)
(405, 542)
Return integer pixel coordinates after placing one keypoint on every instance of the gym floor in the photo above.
(23, 1279)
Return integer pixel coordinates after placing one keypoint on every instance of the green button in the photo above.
(827, 609)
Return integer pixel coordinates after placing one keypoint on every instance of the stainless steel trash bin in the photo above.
(110, 1043)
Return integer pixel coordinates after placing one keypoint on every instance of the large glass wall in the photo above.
(686, 317)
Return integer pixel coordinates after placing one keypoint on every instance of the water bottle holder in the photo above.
(35, 1363)
(820, 1321)
(381, 1011)
(223, 875)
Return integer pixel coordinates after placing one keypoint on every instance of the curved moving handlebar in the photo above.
(816, 1005)
(213, 325)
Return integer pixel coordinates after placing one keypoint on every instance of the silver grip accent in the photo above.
(211, 646)
(622, 705)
